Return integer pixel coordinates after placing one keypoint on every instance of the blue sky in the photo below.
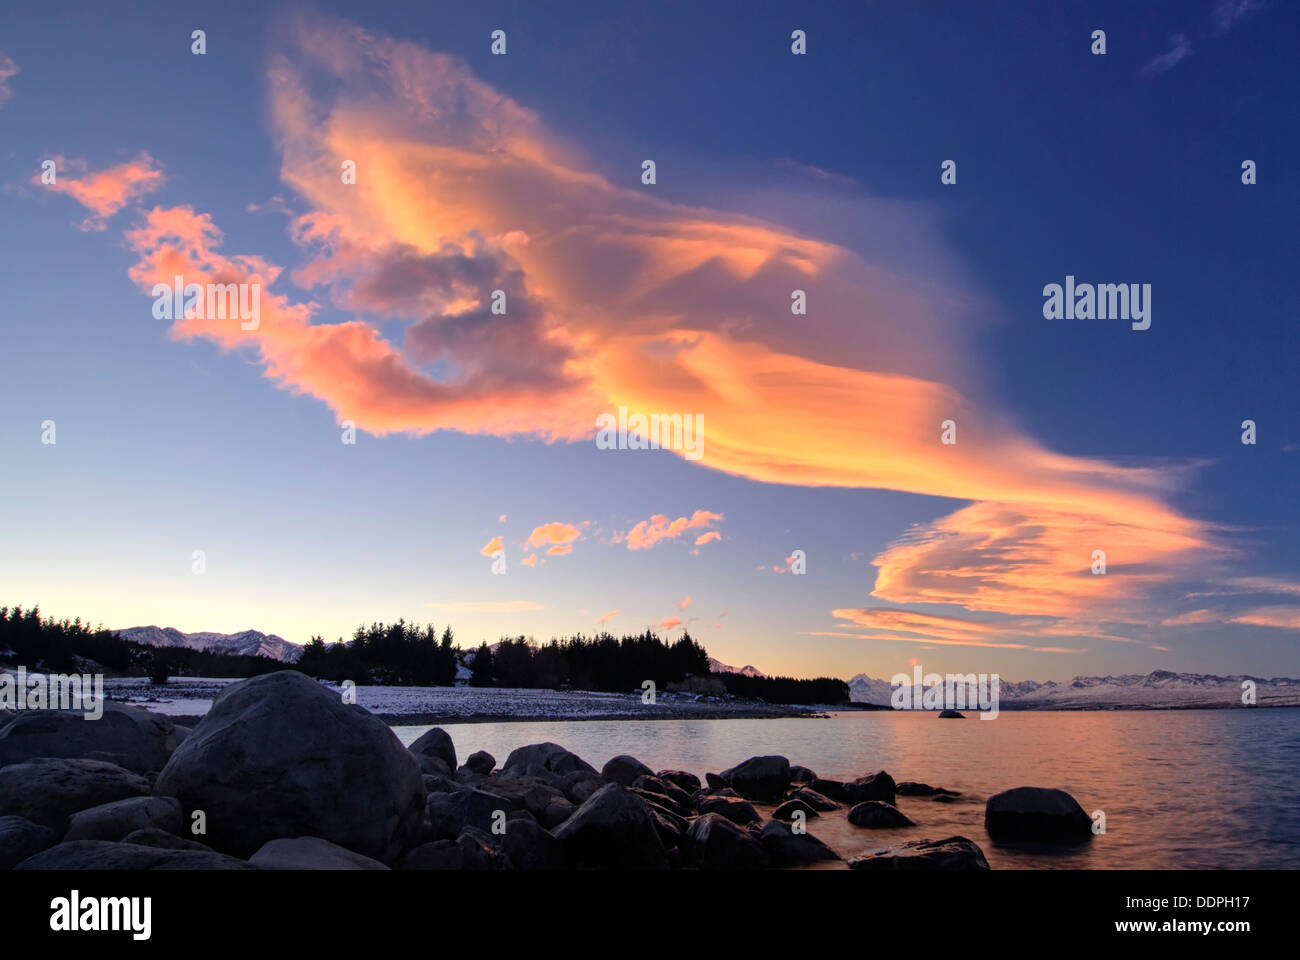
(1067, 163)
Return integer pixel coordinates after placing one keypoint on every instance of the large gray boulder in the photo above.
(759, 778)
(282, 756)
(613, 828)
(132, 738)
(951, 853)
(105, 855)
(309, 853)
(113, 821)
(715, 843)
(786, 848)
(1036, 813)
(20, 839)
(49, 790)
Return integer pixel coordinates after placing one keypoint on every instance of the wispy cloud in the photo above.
(108, 191)
(8, 70)
(1180, 48)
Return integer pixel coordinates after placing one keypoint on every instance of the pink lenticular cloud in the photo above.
(108, 191)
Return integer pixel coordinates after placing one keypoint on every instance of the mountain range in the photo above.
(248, 643)
(1160, 689)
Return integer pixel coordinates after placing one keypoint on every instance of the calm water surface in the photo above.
(1180, 789)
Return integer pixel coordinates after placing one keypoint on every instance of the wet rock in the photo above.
(951, 715)
(1036, 813)
(951, 853)
(787, 810)
(715, 843)
(877, 815)
(732, 808)
(910, 788)
(759, 778)
(624, 770)
(785, 848)
(613, 828)
(812, 798)
(480, 761)
(687, 781)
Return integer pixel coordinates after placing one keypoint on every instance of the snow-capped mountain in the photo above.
(748, 671)
(1160, 689)
(249, 643)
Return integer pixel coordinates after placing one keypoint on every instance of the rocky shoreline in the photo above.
(282, 774)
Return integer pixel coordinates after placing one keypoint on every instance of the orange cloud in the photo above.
(606, 617)
(108, 191)
(617, 298)
(560, 535)
(704, 538)
(530, 560)
(686, 602)
(8, 69)
(670, 623)
(492, 548)
(649, 532)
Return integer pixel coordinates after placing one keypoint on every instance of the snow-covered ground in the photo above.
(192, 696)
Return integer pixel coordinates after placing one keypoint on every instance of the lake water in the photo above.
(1180, 789)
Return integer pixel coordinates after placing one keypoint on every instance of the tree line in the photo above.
(404, 653)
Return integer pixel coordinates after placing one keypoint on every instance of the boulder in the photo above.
(836, 790)
(952, 853)
(800, 774)
(129, 737)
(759, 778)
(681, 800)
(732, 808)
(556, 813)
(113, 821)
(613, 828)
(815, 800)
(687, 781)
(153, 837)
(785, 848)
(787, 810)
(624, 770)
(549, 758)
(450, 813)
(715, 843)
(878, 815)
(436, 743)
(20, 839)
(1036, 813)
(480, 761)
(48, 790)
(309, 853)
(531, 847)
(280, 755)
(874, 786)
(951, 715)
(106, 855)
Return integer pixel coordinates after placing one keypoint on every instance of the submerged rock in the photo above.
(878, 815)
(951, 715)
(911, 788)
(951, 853)
(787, 810)
(1036, 813)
